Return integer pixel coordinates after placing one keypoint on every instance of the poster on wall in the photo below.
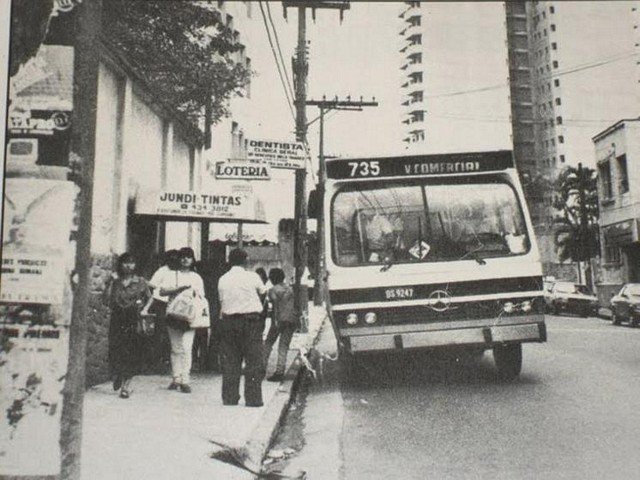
(35, 243)
(37, 259)
(233, 203)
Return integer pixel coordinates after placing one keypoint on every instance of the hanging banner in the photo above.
(35, 243)
(242, 170)
(278, 154)
(236, 203)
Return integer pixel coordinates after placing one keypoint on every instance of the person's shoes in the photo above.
(184, 388)
(117, 383)
(276, 377)
(124, 393)
(173, 386)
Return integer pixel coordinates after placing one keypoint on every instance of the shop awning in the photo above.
(227, 204)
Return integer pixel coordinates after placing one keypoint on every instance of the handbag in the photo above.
(202, 319)
(183, 306)
(146, 325)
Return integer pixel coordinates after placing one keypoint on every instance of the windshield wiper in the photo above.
(388, 263)
(476, 256)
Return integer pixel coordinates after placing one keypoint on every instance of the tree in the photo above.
(183, 49)
(29, 24)
(576, 200)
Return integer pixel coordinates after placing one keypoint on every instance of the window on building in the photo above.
(545, 32)
(623, 174)
(415, 58)
(553, 27)
(553, 142)
(558, 120)
(247, 63)
(415, 39)
(554, 46)
(416, 97)
(604, 173)
(417, 117)
(415, 77)
(544, 15)
(555, 64)
(558, 101)
(611, 253)
(562, 159)
(552, 10)
(415, 21)
(560, 139)
(556, 82)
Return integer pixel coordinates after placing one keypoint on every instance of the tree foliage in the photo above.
(576, 200)
(29, 23)
(182, 49)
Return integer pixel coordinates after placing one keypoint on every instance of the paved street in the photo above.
(571, 414)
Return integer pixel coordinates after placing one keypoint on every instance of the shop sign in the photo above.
(622, 232)
(242, 170)
(28, 124)
(225, 204)
(290, 155)
(35, 242)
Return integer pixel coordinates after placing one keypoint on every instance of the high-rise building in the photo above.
(412, 73)
(573, 71)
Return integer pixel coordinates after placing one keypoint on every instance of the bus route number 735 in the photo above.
(364, 169)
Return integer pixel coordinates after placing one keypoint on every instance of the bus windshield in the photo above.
(426, 223)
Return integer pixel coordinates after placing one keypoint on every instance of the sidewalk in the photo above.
(162, 434)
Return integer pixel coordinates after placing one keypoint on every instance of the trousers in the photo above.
(284, 331)
(241, 341)
(181, 345)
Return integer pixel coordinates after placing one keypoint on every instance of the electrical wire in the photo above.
(284, 64)
(578, 68)
(275, 56)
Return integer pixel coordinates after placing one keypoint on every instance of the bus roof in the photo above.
(419, 165)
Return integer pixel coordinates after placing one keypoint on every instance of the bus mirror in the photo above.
(313, 206)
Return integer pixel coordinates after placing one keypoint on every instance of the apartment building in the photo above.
(572, 73)
(617, 151)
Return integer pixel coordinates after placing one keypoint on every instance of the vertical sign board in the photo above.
(37, 258)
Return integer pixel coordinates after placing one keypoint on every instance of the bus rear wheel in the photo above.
(508, 360)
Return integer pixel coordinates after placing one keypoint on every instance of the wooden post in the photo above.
(83, 134)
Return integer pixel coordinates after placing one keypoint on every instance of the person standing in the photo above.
(169, 284)
(241, 328)
(127, 295)
(283, 322)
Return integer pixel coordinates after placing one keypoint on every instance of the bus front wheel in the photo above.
(508, 360)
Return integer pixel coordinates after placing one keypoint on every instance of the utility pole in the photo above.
(83, 139)
(300, 67)
(325, 105)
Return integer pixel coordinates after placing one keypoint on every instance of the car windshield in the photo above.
(633, 289)
(427, 223)
(567, 287)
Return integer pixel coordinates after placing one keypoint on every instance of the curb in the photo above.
(269, 424)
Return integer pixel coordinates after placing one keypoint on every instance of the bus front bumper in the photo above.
(480, 336)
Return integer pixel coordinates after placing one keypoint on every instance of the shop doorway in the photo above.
(145, 241)
(633, 259)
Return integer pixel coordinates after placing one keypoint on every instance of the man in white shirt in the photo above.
(241, 328)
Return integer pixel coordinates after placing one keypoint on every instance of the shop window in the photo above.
(623, 174)
(604, 172)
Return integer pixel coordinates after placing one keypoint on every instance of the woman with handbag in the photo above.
(128, 294)
(183, 289)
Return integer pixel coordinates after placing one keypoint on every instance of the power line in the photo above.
(578, 68)
(284, 65)
(275, 56)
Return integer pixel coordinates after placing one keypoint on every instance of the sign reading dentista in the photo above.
(278, 154)
(242, 170)
(233, 203)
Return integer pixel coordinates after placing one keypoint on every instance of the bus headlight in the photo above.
(526, 306)
(509, 307)
(352, 319)
(370, 318)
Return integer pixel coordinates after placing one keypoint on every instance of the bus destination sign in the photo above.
(420, 165)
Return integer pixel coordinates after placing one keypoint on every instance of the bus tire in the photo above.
(508, 360)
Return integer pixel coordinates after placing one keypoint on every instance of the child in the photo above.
(283, 323)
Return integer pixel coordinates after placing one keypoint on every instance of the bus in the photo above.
(432, 251)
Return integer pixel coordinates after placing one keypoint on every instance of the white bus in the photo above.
(432, 251)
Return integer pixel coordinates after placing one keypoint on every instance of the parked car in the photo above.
(571, 297)
(625, 306)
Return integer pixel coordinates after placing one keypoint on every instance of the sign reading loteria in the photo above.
(242, 170)
(278, 154)
(230, 204)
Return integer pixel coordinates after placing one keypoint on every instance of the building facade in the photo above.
(618, 162)
(572, 72)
